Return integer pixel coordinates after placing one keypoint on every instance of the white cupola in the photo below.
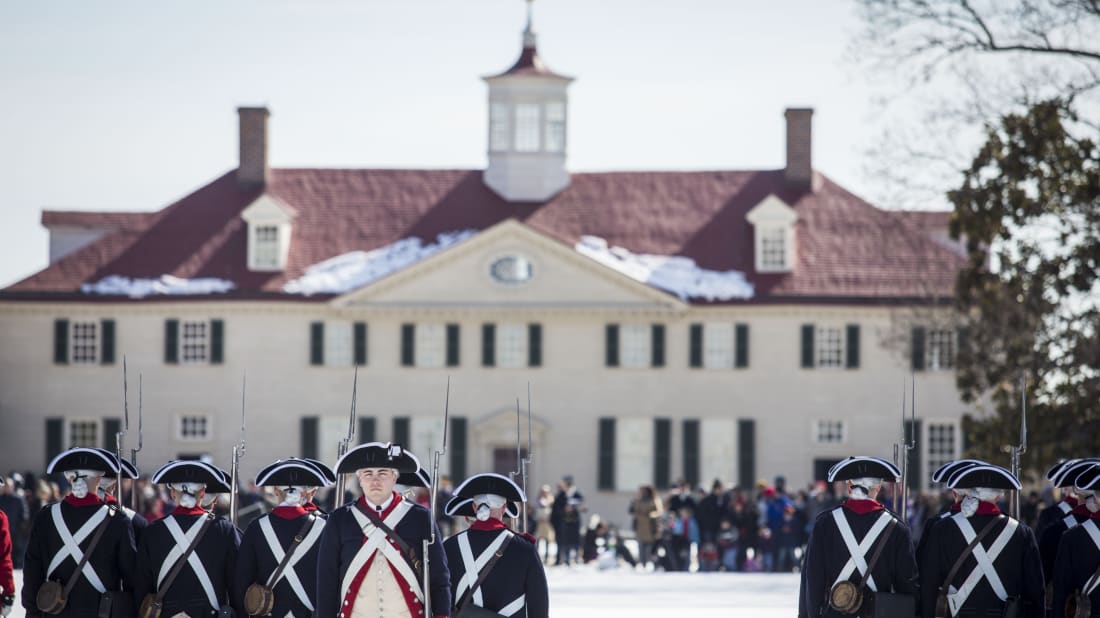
(528, 114)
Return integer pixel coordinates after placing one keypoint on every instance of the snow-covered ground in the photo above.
(585, 592)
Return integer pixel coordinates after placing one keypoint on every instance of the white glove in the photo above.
(5, 607)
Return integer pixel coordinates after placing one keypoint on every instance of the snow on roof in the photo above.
(355, 269)
(165, 285)
(676, 274)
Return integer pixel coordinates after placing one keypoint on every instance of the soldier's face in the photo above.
(377, 483)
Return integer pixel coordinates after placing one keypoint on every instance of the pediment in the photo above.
(773, 210)
(268, 209)
(510, 266)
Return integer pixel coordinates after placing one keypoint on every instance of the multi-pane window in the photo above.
(830, 346)
(718, 339)
(527, 127)
(194, 342)
(83, 342)
(940, 352)
(431, 345)
(265, 247)
(942, 445)
(511, 343)
(194, 427)
(555, 127)
(499, 126)
(773, 247)
(338, 344)
(84, 433)
(634, 345)
(829, 432)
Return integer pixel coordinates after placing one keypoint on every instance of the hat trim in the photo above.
(955, 479)
(840, 465)
(270, 470)
(519, 490)
(952, 467)
(82, 449)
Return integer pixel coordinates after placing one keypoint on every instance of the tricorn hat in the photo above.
(1089, 480)
(945, 471)
(490, 483)
(864, 467)
(81, 458)
(458, 506)
(376, 455)
(985, 475)
(323, 468)
(1067, 476)
(287, 472)
(1058, 467)
(189, 471)
(128, 469)
(420, 478)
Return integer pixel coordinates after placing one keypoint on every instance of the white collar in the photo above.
(385, 505)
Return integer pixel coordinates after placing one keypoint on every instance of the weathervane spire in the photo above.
(529, 37)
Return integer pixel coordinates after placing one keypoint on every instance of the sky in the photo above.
(128, 105)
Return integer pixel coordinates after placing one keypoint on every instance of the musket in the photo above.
(119, 435)
(234, 469)
(1020, 448)
(134, 451)
(898, 447)
(526, 461)
(908, 445)
(345, 444)
(436, 455)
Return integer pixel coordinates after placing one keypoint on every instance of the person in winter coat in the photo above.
(647, 510)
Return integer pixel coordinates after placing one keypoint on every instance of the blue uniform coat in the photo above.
(518, 572)
(256, 563)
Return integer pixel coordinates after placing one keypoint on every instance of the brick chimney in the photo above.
(253, 167)
(799, 171)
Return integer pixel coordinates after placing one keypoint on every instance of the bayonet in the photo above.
(345, 445)
(432, 499)
(122, 434)
(238, 450)
(134, 451)
(1020, 448)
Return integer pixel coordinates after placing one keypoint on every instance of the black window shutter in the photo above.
(309, 436)
(359, 332)
(695, 348)
(605, 476)
(217, 342)
(612, 345)
(366, 429)
(807, 346)
(408, 345)
(657, 350)
(317, 343)
(691, 451)
(912, 428)
(452, 345)
(458, 449)
(662, 452)
(60, 342)
(55, 434)
(917, 352)
(107, 349)
(962, 339)
(171, 341)
(111, 427)
(746, 453)
(741, 346)
(534, 345)
(852, 349)
(401, 430)
(488, 345)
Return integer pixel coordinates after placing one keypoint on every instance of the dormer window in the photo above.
(773, 235)
(268, 233)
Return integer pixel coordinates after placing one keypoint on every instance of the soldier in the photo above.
(79, 529)
(940, 476)
(330, 481)
(980, 562)
(1051, 536)
(371, 550)
(1077, 566)
(1061, 508)
(186, 560)
(858, 550)
(277, 562)
(107, 487)
(7, 571)
(491, 566)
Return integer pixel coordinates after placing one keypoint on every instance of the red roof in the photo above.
(530, 63)
(96, 220)
(847, 250)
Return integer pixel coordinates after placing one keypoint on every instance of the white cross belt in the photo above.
(378, 542)
(183, 541)
(71, 547)
(289, 574)
(858, 551)
(985, 559)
